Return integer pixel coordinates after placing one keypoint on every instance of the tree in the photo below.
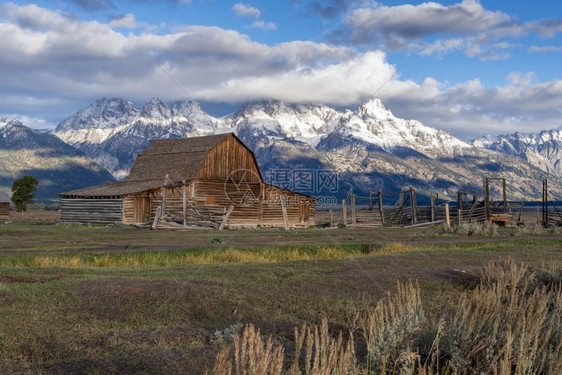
(23, 192)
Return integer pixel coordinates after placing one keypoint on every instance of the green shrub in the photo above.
(218, 239)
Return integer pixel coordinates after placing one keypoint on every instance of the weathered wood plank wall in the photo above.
(91, 211)
(230, 159)
(4, 209)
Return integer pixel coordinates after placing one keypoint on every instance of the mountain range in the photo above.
(542, 149)
(367, 149)
(57, 165)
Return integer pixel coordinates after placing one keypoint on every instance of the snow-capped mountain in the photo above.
(543, 149)
(57, 165)
(113, 131)
(368, 147)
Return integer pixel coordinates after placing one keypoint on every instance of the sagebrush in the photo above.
(510, 323)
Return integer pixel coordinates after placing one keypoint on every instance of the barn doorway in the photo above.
(142, 210)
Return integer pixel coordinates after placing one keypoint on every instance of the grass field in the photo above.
(77, 299)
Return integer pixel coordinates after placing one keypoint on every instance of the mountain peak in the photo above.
(155, 109)
(375, 108)
(5, 121)
(103, 113)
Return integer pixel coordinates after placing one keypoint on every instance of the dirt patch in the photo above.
(30, 280)
(140, 361)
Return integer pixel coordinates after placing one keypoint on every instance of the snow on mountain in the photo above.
(126, 130)
(542, 149)
(304, 122)
(369, 145)
(376, 125)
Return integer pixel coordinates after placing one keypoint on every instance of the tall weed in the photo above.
(389, 329)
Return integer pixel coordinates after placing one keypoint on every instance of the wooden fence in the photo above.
(401, 209)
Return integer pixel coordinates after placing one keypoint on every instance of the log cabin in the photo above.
(209, 180)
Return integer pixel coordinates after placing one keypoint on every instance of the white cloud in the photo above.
(344, 83)
(439, 47)
(522, 79)
(126, 21)
(58, 65)
(543, 49)
(470, 109)
(264, 25)
(465, 26)
(546, 28)
(397, 24)
(246, 11)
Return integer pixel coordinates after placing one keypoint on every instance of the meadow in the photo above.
(112, 300)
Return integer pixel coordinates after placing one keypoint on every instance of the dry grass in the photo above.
(471, 229)
(511, 323)
(316, 353)
(252, 355)
(50, 261)
(394, 247)
(389, 330)
(323, 354)
(209, 256)
(538, 230)
(507, 325)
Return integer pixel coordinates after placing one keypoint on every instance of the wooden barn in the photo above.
(212, 181)
(4, 205)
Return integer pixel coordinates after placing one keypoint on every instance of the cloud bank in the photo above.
(54, 64)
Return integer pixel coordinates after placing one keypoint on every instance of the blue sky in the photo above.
(467, 67)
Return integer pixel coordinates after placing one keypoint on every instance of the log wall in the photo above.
(4, 209)
(254, 203)
(91, 210)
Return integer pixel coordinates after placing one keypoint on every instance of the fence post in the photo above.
(284, 212)
(353, 211)
(381, 208)
(413, 205)
(184, 203)
(344, 212)
(447, 218)
(432, 208)
(487, 198)
(504, 196)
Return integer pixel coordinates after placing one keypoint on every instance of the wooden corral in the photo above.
(551, 215)
(369, 211)
(212, 181)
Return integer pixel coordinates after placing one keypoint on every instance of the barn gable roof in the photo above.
(179, 159)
